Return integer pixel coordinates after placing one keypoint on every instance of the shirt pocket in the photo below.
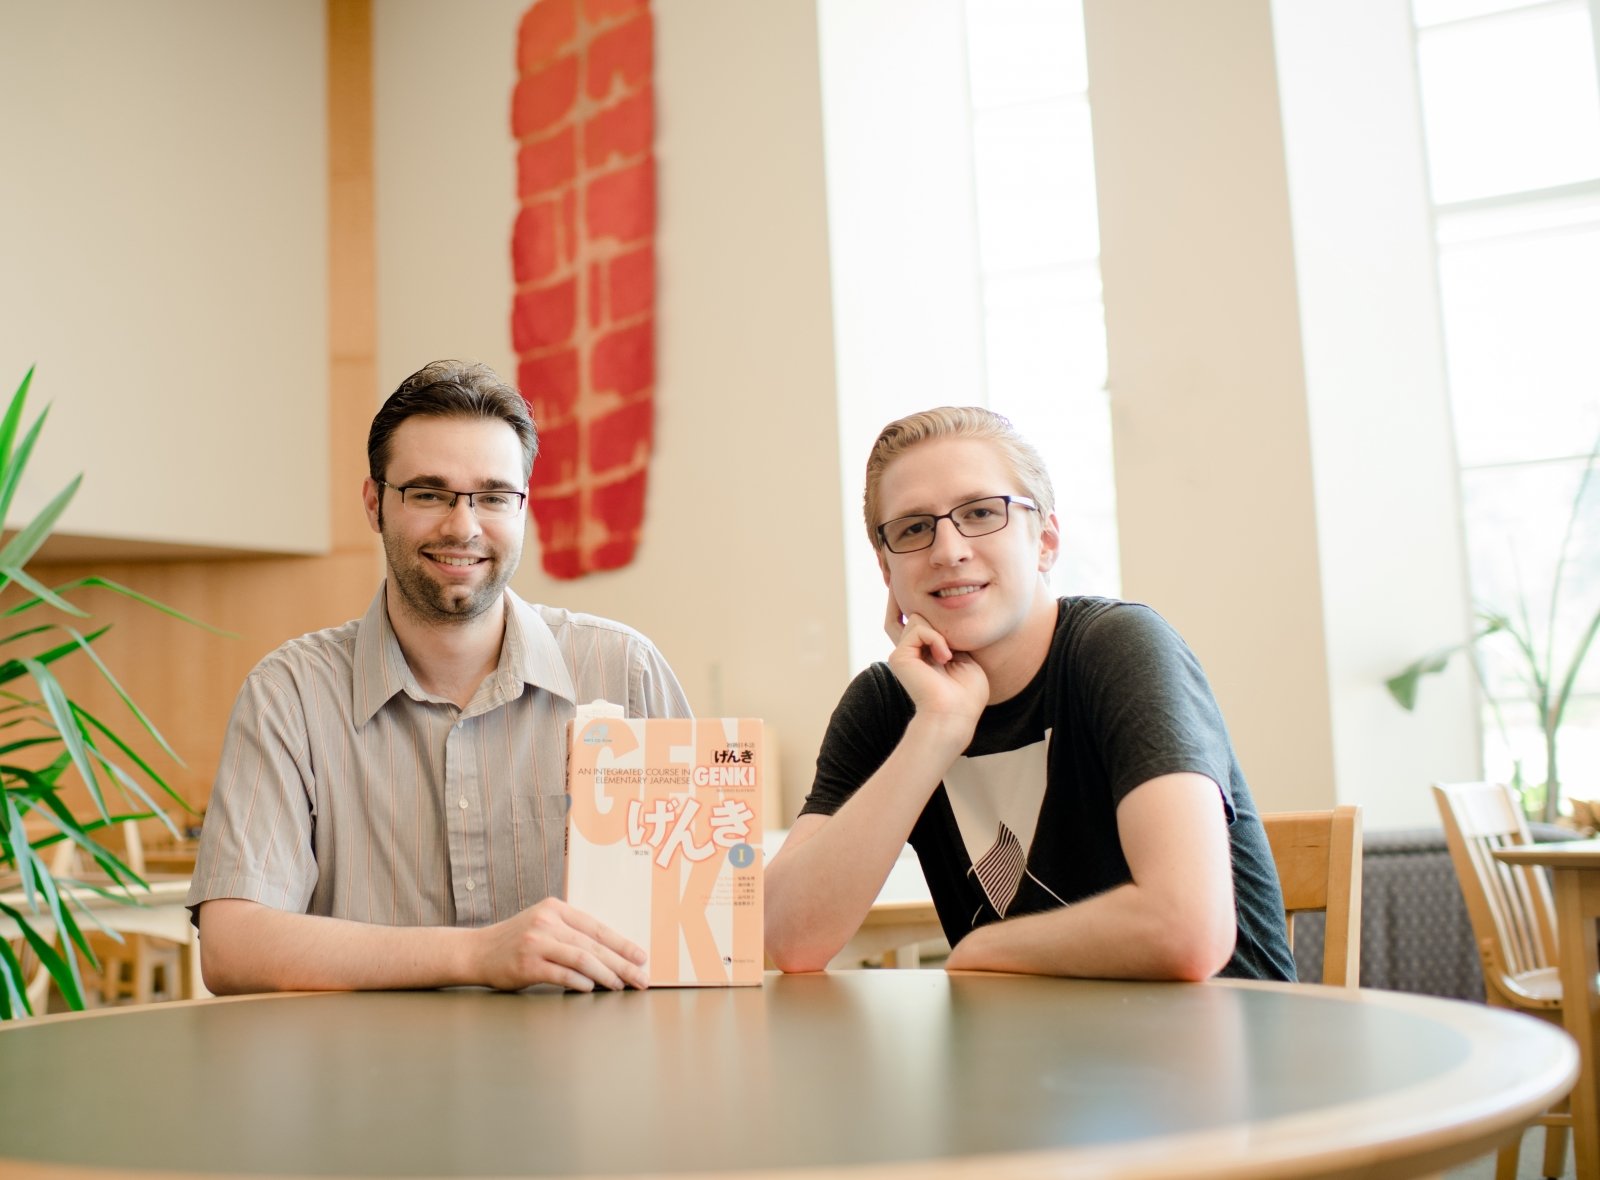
(541, 840)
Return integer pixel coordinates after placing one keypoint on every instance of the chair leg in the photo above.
(141, 970)
(1505, 1167)
(1555, 1152)
(189, 985)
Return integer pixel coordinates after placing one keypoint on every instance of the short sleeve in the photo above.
(866, 725)
(1152, 707)
(256, 842)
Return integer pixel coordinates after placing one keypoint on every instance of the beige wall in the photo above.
(185, 678)
(1285, 485)
(1238, 435)
(164, 237)
(739, 579)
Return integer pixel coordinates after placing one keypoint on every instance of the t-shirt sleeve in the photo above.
(1152, 706)
(256, 842)
(867, 723)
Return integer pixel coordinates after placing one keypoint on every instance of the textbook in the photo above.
(664, 840)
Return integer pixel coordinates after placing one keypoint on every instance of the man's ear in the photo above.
(1049, 543)
(883, 564)
(370, 491)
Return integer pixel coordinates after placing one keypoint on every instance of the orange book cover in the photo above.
(664, 840)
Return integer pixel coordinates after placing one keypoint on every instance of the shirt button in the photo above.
(471, 884)
(463, 804)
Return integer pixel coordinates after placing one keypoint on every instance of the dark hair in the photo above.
(451, 389)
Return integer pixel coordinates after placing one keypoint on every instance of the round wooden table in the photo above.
(881, 1073)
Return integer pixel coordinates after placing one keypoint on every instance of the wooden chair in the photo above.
(1318, 855)
(1513, 923)
(130, 969)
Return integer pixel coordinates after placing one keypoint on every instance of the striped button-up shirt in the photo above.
(347, 790)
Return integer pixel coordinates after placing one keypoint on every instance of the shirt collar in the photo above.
(529, 655)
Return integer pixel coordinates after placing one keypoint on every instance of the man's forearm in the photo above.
(247, 947)
(1120, 934)
(820, 888)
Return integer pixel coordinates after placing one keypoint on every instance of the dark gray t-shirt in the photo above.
(1025, 820)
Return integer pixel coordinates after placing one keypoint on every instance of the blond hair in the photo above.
(974, 422)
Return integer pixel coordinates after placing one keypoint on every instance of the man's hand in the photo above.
(250, 947)
(945, 686)
(553, 942)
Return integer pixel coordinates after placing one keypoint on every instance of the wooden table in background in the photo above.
(1575, 880)
(160, 914)
(889, 1074)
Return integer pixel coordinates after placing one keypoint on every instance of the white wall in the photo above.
(907, 298)
(739, 578)
(164, 243)
(1388, 508)
(1283, 480)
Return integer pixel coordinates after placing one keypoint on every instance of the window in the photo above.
(964, 240)
(1039, 269)
(1512, 121)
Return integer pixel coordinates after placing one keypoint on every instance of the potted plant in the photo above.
(1549, 676)
(47, 740)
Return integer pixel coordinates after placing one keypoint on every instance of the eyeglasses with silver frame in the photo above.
(975, 518)
(430, 501)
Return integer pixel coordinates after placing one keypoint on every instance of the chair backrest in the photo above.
(1318, 855)
(1512, 915)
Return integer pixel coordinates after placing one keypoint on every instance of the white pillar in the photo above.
(1285, 478)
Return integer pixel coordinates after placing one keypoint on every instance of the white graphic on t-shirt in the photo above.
(996, 800)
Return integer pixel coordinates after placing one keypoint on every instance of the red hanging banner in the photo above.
(583, 258)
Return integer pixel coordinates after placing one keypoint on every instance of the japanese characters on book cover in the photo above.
(664, 840)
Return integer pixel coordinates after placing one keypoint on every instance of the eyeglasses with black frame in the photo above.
(975, 518)
(430, 501)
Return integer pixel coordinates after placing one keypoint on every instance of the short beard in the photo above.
(426, 600)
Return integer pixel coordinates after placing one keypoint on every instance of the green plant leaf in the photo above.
(24, 744)
(133, 756)
(131, 786)
(1403, 685)
(62, 969)
(14, 999)
(67, 726)
(1559, 705)
(33, 534)
(74, 930)
(8, 427)
(81, 834)
(119, 588)
(144, 721)
(52, 722)
(11, 669)
(26, 862)
(8, 437)
(43, 593)
(27, 634)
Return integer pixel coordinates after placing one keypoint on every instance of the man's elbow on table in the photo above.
(1194, 947)
(791, 951)
(792, 945)
(798, 960)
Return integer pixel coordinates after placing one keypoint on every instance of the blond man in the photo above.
(1059, 765)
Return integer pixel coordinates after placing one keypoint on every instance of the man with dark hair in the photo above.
(390, 807)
